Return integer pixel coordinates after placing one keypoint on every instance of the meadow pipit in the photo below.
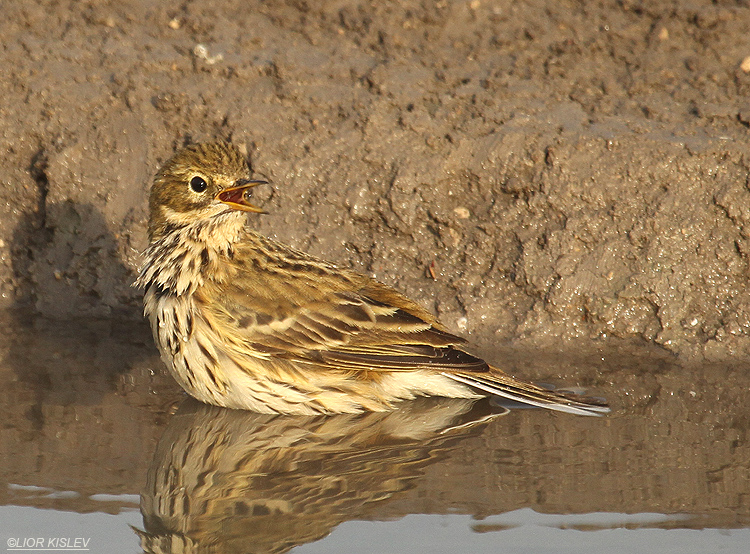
(243, 321)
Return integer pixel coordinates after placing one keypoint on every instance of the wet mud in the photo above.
(535, 172)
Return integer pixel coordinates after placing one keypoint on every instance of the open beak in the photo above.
(236, 197)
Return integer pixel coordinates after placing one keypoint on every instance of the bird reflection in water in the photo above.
(234, 481)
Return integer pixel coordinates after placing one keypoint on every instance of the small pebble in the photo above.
(200, 51)
(462, 213)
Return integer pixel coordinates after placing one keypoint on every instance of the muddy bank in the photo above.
(535, 171)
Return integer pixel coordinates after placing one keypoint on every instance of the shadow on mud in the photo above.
(68, 338)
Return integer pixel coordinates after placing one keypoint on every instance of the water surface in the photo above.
(96, 438)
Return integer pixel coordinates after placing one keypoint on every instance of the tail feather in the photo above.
(500, 384)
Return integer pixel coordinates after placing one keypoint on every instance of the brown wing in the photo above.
(281, 302)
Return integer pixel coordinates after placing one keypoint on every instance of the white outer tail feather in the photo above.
(563, 405)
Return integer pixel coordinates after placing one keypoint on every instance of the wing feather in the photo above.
(328, 319)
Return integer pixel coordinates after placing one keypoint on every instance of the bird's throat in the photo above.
(183, 258)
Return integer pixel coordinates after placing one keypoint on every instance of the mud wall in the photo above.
(533, 171)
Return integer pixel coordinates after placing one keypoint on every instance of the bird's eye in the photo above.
(198, 184)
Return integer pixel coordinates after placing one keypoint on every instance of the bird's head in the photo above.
(200, 182)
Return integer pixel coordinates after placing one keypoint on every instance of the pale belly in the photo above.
(215, 372)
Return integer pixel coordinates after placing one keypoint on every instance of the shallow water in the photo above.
(96, 438)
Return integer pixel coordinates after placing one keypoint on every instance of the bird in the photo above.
(246, 322)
